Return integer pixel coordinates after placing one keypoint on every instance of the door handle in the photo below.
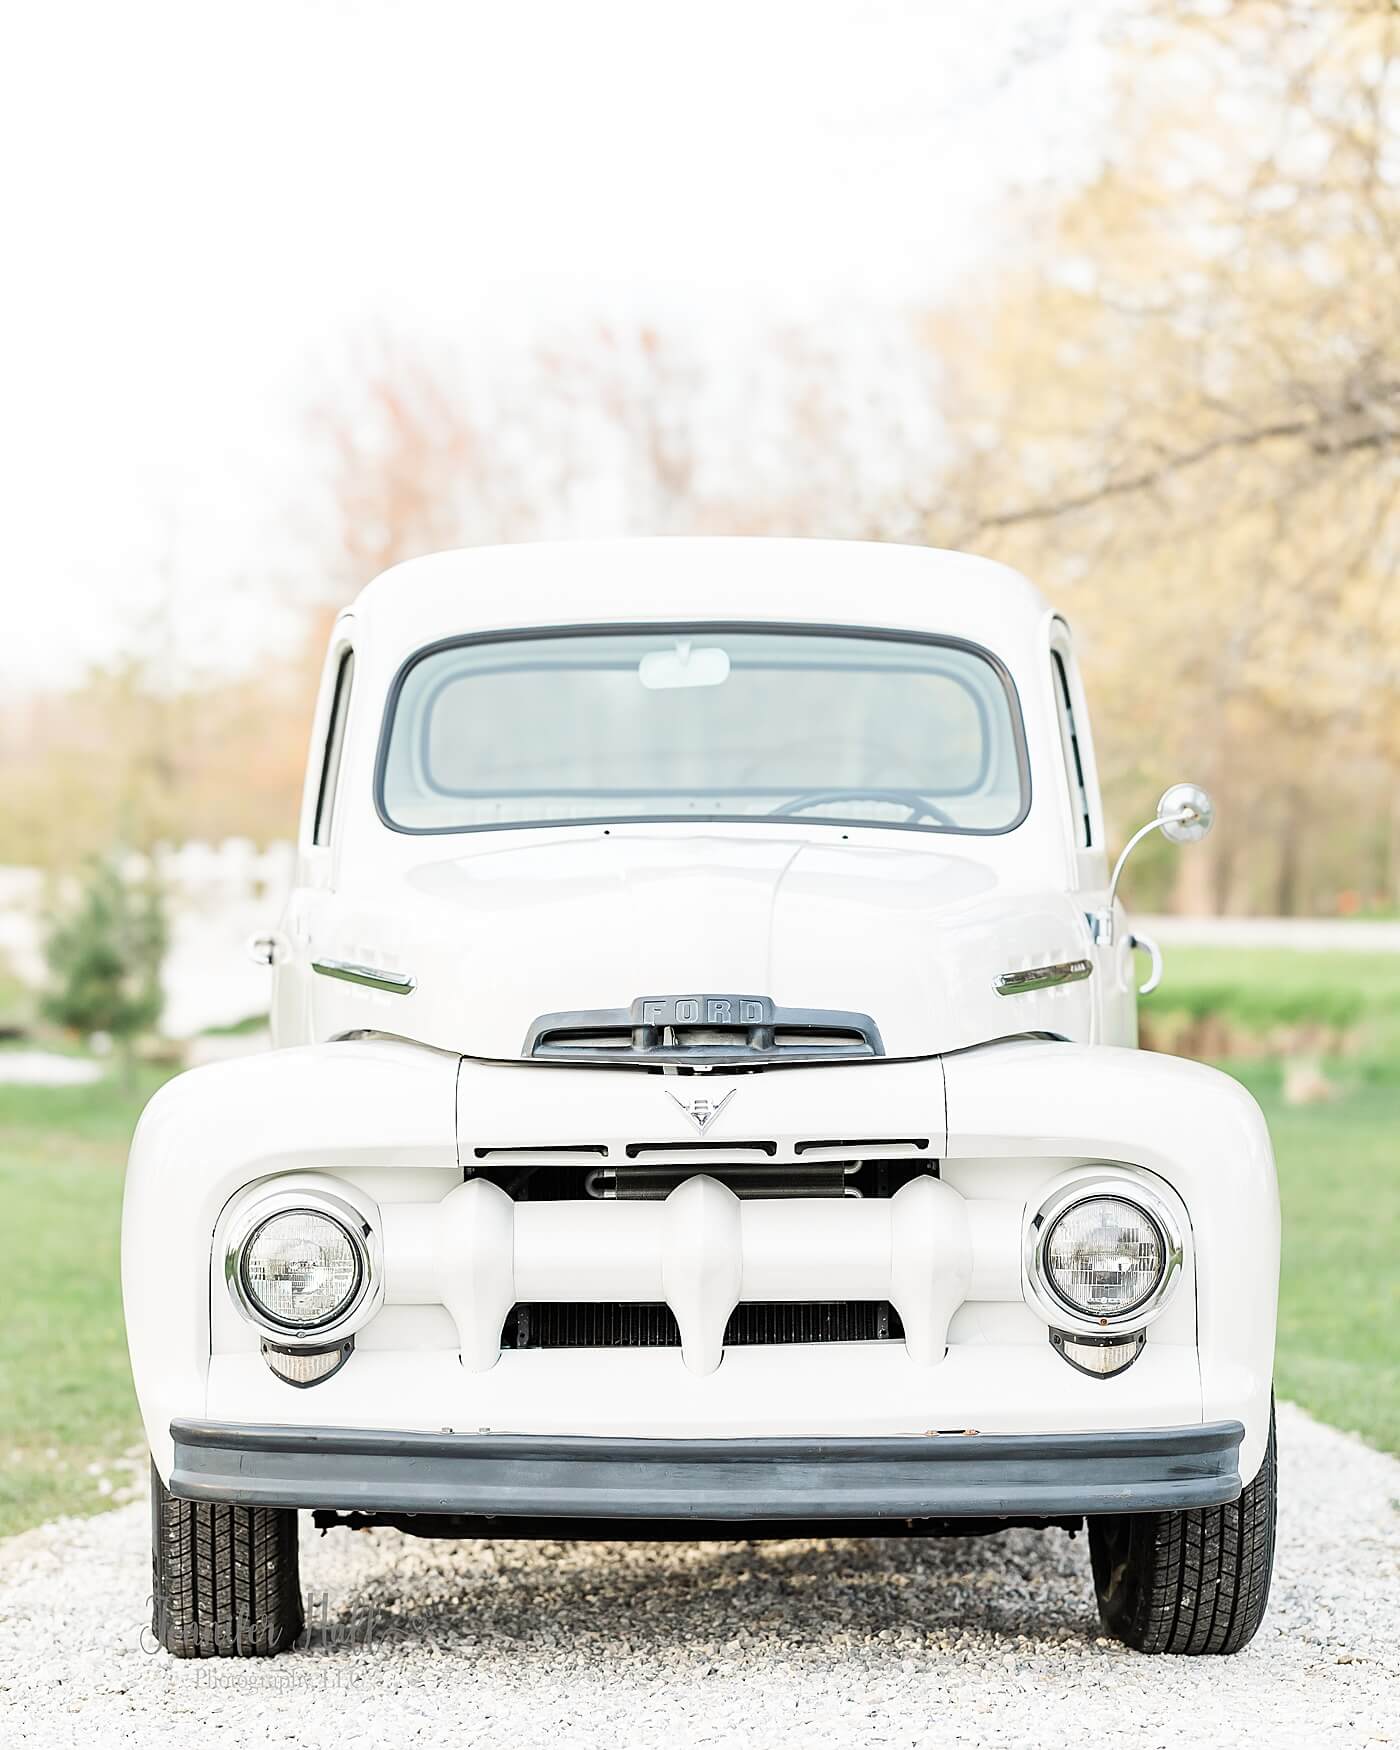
(269, 949)
(1149, 947)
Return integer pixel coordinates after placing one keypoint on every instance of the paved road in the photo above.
(1320, 935)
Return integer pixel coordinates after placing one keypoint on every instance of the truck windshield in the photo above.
(703, 723)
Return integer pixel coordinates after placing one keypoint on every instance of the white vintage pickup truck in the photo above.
(706, 1101)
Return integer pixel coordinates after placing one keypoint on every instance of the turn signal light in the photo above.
(1100, 1356)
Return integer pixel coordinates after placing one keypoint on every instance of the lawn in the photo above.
(1339, 1302)
(69, 1435)
(66, 1402)
(1260, 990)
(1338, 1162)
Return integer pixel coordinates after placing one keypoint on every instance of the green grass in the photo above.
(1260, 989)
(237, 1029)
(65, 1393)
(1339, 1298)
(17, 1004)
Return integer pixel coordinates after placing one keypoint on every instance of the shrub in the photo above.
(104, 956)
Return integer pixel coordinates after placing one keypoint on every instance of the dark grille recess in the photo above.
(612, 1324)
(651, 1170)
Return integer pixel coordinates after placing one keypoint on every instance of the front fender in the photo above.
(1192, 1126)
(212, 1131)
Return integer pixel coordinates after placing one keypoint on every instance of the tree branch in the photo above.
(1316, 429)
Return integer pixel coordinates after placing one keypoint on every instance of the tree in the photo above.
(104, 956)
(628, 430)
(1186, 420)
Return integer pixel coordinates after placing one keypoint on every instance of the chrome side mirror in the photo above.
(1185, 814)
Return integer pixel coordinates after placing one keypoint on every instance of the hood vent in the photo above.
(736, 1031)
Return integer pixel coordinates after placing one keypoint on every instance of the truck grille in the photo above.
(649, 1171)
(652, 1325)
(736, 1031)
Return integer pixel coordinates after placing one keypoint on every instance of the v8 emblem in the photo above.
(701, 1111)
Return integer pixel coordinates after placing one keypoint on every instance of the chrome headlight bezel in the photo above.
(359, 1229)
(1160, 1209)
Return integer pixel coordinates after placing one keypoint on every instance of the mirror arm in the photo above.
(1101, 922)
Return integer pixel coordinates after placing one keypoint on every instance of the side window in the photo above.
(1074, 762)
(335, 741)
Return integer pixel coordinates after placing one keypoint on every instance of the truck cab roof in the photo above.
(631, 582)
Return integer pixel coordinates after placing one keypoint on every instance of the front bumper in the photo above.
(587, 1477)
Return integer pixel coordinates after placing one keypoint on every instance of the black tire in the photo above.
(1193, 1582)
(224, 1579)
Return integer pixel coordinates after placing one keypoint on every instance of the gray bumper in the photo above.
(524, 1476)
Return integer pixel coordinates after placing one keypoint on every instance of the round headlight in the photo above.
(1103, 1256)
(301, 1268)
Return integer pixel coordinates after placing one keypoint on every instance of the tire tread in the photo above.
(225, 1579)
(1194, 1582)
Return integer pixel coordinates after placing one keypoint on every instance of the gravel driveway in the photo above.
(985, 1641)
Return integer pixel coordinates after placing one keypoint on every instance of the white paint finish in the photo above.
(399, 1182)
(1001, 1321)
(501, 926)
(701, 1250)
(814, 1389)
(702, 1266)
(397, 1328)
(636, 582)
(473, 1254)
(994, 1229)
(785, 1252)
(498, 932)
(930, 1268)
(1194, 1128)
(211, 1133)
(932, 1249)
(518, 1106)
(604, 1251)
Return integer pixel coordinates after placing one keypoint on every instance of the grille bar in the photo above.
(612, 1324)
(738, 1030)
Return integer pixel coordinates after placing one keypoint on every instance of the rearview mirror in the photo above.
(684, 665)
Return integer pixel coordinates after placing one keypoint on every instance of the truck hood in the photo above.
(496, 938)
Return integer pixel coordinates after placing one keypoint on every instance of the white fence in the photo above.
(219, 896)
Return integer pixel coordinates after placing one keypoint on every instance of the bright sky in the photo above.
(207, 205)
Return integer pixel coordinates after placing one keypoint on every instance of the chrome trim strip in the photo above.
(375, 977)
(364, 1299)
(1062, 1314)
(1012, 984)
(335, 1357)
(1062, 1342)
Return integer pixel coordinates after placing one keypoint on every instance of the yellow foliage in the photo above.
(1184, 416)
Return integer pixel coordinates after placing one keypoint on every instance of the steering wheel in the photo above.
(920, 808)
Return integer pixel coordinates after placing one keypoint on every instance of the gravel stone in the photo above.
(987, 1642)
